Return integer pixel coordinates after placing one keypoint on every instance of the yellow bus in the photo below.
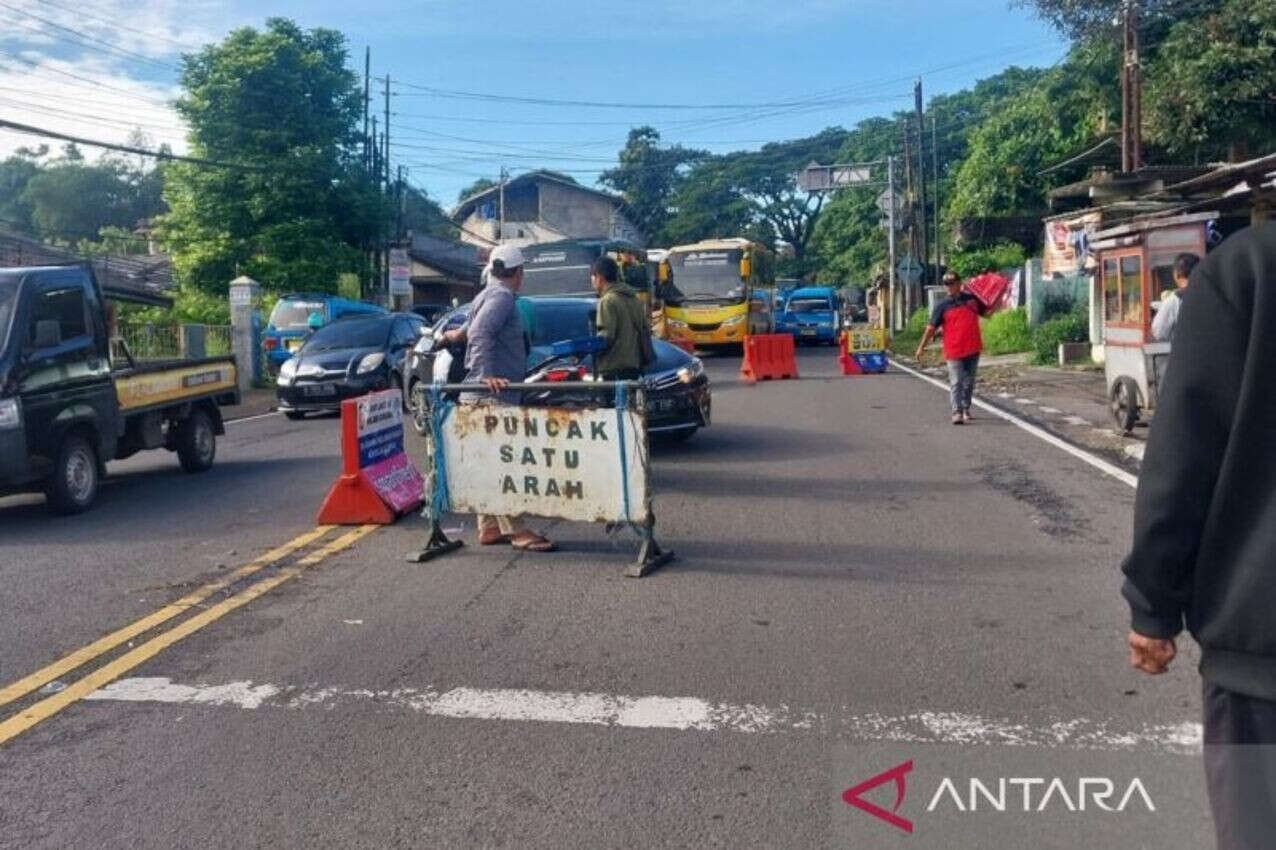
(717, 291)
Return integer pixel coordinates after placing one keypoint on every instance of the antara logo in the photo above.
(897, 774)
(1024, 794)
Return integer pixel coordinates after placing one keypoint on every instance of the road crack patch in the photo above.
(1055, 515)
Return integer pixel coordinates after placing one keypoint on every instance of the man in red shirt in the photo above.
(957, 316)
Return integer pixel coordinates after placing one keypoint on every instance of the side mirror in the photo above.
(48, 334)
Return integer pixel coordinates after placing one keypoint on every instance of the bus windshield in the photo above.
(708, 275)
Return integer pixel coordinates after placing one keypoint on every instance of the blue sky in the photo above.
(857, 58)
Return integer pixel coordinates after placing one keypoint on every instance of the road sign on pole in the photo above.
(888, 202)
(910, 270)
(400, 272)
(825, 178)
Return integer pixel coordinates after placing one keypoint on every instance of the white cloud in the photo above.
(98, 70)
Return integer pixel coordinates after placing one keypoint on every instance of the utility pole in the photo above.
(891, 318)
(934, 156)
(921, 180)
(1131, 91)
(367, 81)
(501, 236)
(375, 174)
(385, 135)
(906, 301)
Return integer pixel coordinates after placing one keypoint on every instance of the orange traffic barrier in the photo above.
(768, 357)
(377, 482)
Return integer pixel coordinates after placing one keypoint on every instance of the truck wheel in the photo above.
(73, 485)
(1124, 404)
(295, 415)
(196, 442)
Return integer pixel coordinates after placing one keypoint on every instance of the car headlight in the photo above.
(289, 369)
(735, 320)
(10, 413)
(675, 323)
(687, 374)
(370, 362)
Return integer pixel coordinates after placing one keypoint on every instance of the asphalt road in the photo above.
(858, 584)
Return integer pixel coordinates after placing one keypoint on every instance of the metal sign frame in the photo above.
(629, 398)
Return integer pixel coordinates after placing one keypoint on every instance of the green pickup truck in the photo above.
(66, 408)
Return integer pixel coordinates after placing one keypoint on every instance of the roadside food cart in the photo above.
(1135, 263)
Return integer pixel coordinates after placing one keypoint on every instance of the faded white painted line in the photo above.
(1135, 450)
(1024, 401)
(1004, 395)
(1097, 462)
(1076, 420)
(251, 418)
(1053, 411)
(675, 713)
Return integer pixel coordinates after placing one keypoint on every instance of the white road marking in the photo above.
(1024, 401)
(1050, 410)
(1135, 450)
(251, 418)
(676, 713)
(1076, 420)
(1097, 462)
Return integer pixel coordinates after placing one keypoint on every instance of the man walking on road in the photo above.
(622, 323)
(957, 317)
(496, 355)
(1204, 552)
(1165, 319)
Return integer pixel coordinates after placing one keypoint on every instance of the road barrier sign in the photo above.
(378, 482)
(574, 460)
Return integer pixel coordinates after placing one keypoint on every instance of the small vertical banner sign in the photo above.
(377, 483)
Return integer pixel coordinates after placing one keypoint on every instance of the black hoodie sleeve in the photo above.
(1185, 449)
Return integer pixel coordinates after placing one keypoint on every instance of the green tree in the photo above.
(647, 177)
(15, 208)
(1079, 19)
(1211, 86)
(1061, 112)
(71, 200)
(281, 104)
(480, 185)
(421, 214)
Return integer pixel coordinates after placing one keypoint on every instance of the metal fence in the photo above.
(152, 341)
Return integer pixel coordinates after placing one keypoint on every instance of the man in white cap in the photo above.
(497, 356)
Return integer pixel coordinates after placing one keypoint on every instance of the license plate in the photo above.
(318, 390)
(807, 332)
(661, 405)
(292, 344)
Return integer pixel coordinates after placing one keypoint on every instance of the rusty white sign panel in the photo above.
(549, 461)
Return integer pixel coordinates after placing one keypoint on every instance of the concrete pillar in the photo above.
(245, 295)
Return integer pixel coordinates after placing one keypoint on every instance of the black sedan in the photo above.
(678, 396)
(345, 359)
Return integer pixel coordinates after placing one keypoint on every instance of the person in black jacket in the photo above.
(1204, 551)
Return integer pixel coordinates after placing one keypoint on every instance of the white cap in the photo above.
(508, 255)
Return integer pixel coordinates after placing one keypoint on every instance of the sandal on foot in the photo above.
(529, 541)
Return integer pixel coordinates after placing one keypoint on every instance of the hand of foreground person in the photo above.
(496, 384)
(1151, 655)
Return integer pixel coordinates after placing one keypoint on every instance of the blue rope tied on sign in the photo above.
(622, 403)
(441, 500)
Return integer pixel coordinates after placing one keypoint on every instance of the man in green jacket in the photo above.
(622, 323)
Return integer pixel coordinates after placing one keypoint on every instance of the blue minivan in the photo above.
(810, 315)
(294, 317)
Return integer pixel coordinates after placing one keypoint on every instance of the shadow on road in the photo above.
(170, 499)
(751, 444)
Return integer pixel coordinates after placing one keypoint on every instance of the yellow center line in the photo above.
(85, 654)
(46, 708)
